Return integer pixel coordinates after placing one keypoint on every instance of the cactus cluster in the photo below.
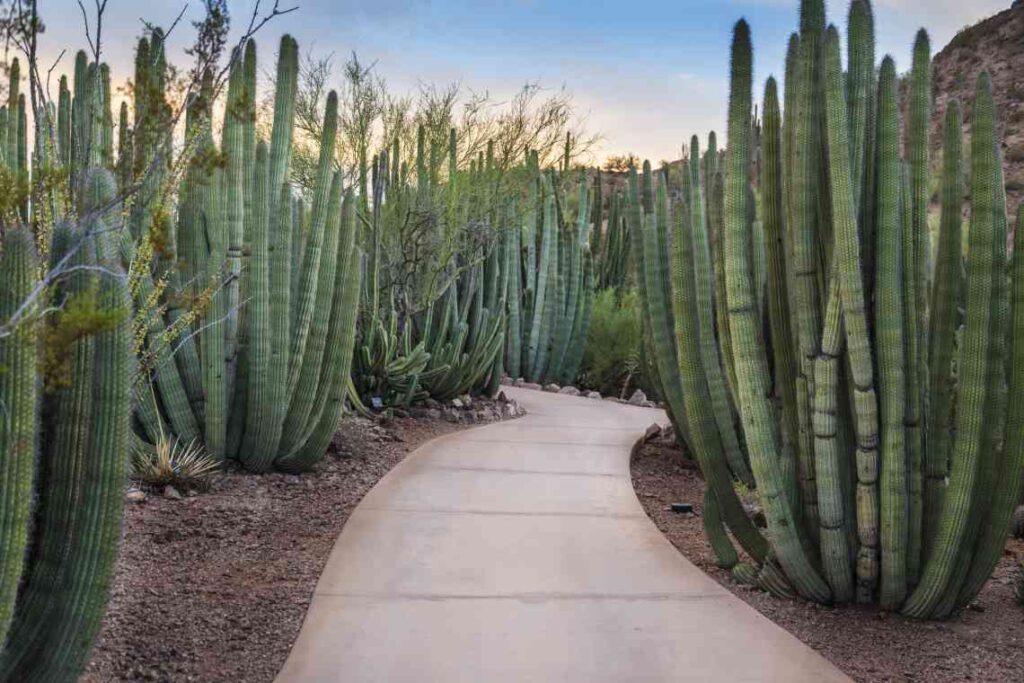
(64, 439)
(498, 280)
(813, 350)
(555, 293)
(250, 348)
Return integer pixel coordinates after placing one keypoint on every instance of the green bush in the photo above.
(612, 360)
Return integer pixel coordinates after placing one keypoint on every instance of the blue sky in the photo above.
(646, 74)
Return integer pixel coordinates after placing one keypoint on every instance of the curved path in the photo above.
(518, 552)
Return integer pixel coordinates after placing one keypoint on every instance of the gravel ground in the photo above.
(214, 587)
(984, 643)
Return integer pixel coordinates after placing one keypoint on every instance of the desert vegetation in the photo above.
(213, 275)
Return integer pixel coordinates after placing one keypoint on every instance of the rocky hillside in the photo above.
(995, 45)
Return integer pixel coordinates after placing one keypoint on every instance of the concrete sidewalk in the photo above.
(518, 552)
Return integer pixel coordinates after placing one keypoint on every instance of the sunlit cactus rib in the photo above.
(752, 376)
(954, 520)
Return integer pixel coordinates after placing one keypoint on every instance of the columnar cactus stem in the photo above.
(18, 392)
(752, 376)
(953, 524)
(946, 295)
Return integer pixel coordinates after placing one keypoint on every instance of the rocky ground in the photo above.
(985, 643)
(213, 586)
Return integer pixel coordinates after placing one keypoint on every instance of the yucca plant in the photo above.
(882, 442)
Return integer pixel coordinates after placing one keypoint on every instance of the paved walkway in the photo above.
(518, 552)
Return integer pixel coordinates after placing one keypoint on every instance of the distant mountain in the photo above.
(995, 45)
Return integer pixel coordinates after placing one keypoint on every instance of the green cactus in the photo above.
(76, 521)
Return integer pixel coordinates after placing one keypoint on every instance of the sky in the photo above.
(645, 74)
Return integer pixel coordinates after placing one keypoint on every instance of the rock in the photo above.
(501, 397)
(401, 412)
(458, 404)
(638, 398)
(432, 414)
(135, 496)
(652, 432)
(596, 395)
(431, 403)
(506, 381)
(552, 388)
(483, 416)
(466, 399)
(569, 391)
(531, 386)
(171, 492)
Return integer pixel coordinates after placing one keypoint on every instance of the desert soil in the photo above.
(984, 643)
(214, 587)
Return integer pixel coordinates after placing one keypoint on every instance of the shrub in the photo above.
(173, 462)
(612, 358)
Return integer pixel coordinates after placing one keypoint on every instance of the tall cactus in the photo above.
(49, 629)
(907, 460)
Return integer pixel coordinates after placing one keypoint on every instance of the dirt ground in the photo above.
(214, 587)
(984, 643)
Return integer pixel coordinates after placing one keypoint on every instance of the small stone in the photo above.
(569, 391)
(431, 403)
(466, 399)
(652, 432)
(531, 386)
(596, 395)
(506, 381)
(519, 382)
(458, 404)
(552, 388)
(135, 496)
(292, 479)
(483, 416)
(171, 492)
(401, 412)
(638, 398)
(501, 397)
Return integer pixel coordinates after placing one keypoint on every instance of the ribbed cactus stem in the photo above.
(953, 523)
(752, 375)
(946, 294)
(18, 429)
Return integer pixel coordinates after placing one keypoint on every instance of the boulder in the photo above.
(552, 388)
(569, 391)
(594, 395)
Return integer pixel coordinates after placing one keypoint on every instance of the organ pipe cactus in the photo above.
(258, 322)
(882, 442)
(62, 493)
